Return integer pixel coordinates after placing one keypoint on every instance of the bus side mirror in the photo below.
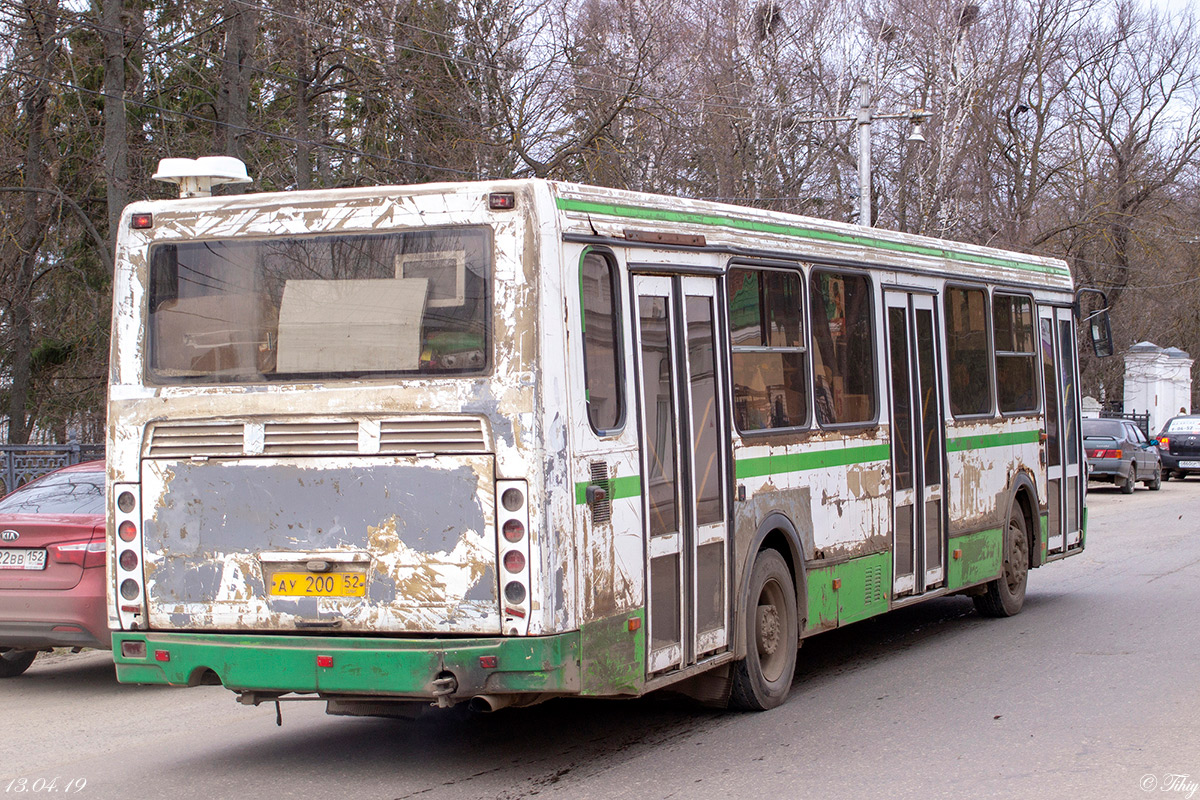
(1098, 325)
(1100, 332)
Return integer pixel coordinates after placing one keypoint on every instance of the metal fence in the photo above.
(24, 462)
(1141, 420)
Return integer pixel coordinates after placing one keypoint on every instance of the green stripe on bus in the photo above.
(618, 488)
(813, 459)
(981, 558)
(986, 440)
(864, 589)
(661, 215)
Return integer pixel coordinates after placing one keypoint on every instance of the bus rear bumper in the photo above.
(400, 668)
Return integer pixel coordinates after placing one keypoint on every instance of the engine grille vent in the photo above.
(187, 441)
(874, 586)
(334, 437)
(450, 435)
(601, 509)
(310, 438)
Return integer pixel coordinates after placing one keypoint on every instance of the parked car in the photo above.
(52, 566)
(1179, 443)
(1118, 452)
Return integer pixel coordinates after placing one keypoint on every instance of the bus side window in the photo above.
(1016, 359)
(770, 387)
(967, 351)
(603, 372)
(843, 348)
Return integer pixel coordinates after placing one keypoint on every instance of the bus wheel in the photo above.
(14, 662)
(1005, 596)
(763, 678)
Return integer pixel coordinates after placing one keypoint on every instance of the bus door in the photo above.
(918, 444)
(1064, 462)
(683, 434)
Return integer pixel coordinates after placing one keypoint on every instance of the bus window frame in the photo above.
(619, 325)
(805, 348)
(989, 336)
(874, 289)
(145, 276)
(1037, 410)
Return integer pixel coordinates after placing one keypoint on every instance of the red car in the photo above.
(52, 566)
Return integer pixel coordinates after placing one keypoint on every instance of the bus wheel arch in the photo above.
(768, 618)
(1023, 497)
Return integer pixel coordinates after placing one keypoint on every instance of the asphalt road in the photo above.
(1093, 691)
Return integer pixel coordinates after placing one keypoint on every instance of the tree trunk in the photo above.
(116, 128)
(36, 46)
(233, 110)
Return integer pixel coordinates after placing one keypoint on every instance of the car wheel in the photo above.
(1005, 596)
(1155, 483)
(1131, 482)
(763, 678)
(14, 662)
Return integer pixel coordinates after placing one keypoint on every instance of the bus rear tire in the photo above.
(1005, 596)
(763, 678)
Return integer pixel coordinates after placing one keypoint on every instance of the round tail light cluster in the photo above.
(127, 577)
(512, 523)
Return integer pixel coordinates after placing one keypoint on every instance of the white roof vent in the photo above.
(197, 176)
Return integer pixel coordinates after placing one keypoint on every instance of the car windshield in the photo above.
(1184, 425)
(300, 308)
(72, 492)
(1103, 427)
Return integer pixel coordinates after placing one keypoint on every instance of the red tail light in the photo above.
(1165, 443)
(85, 554)
(1104, 453)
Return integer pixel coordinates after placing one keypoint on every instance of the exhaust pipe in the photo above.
(487, 703)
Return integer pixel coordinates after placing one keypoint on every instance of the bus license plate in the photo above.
(14, 558)
(326, 584)
(1189, 464)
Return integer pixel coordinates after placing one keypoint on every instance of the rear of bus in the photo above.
(322, 411)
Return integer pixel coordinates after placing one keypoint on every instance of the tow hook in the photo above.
(444, 686)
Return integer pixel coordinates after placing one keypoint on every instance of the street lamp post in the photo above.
(865, 116)
(865, 112)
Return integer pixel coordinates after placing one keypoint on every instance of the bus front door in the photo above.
(1064, 481)
(683, 431)
(918, 534)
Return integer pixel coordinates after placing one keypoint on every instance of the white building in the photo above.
(1158, 381)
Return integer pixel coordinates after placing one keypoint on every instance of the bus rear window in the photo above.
(245, 310)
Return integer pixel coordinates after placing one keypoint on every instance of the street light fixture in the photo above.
(865, 116)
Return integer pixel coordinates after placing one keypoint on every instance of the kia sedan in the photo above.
(1179, 444)
(52, 566)
(1118, 452)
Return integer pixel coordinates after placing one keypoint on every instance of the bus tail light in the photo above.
(513, 551)
(513, 530)
(126, 575)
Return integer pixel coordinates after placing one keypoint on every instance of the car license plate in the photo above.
(15, 558)
(1189, 464)
(324, 584)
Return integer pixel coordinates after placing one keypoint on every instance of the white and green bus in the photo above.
(504, 441)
